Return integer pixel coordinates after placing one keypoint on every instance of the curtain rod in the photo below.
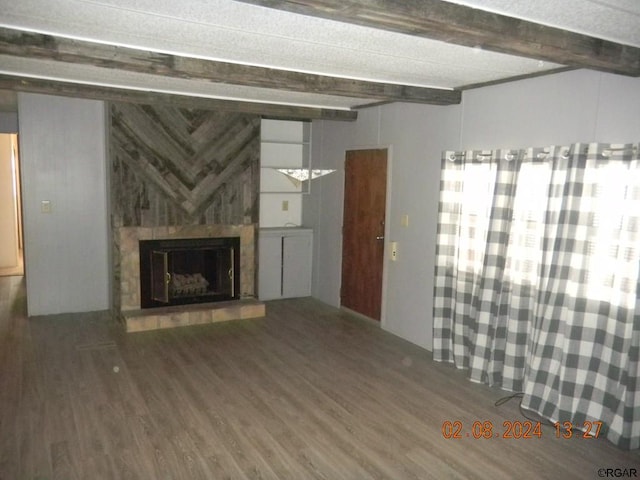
(510, 155)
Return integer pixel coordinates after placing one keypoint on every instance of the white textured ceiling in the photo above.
(242, 33)
(614, 20)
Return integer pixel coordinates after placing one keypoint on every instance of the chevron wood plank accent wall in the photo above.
(176, 166)
(182, 168)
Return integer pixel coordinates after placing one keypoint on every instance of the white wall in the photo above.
(576, 106)
(415, 135)
(322, 209)
(563, 108)
(63, 160)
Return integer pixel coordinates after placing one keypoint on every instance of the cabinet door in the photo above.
(270, 267)
(296, 266)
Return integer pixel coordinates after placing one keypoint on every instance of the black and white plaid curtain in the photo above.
(537, 287)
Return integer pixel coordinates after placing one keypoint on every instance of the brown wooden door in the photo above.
(365, 196)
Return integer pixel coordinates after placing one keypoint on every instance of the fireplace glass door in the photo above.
(160, 276)
(176, 272)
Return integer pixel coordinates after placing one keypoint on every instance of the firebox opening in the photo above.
(185, 271)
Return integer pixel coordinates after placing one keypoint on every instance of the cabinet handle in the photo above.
(380, 238)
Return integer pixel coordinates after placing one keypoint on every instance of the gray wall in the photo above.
(563, 108)
(63, 160)
(8, 122)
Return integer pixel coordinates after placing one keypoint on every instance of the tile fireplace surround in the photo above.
(128, 280)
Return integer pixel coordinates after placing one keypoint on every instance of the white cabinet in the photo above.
(284, 269)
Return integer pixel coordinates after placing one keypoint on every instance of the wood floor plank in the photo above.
(308, 392)
(62, 466)
(300, 414)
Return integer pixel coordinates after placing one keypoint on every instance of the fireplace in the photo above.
(129, 286)
(189, 270)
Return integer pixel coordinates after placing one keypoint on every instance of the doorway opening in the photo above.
(11, 236)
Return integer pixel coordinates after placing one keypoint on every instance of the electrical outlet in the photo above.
(285, 205)
(404, 220)
(393, 248)
(45, 206)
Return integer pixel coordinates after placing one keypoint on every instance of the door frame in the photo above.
(20, 268)
(387, 230)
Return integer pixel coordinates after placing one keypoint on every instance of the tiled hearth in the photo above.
(128, 280)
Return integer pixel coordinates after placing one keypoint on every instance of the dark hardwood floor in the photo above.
(307, 392)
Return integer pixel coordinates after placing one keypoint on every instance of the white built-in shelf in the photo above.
(284, 144)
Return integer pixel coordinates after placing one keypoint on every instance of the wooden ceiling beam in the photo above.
(47, 47)
(69, 89)
(462, 25)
